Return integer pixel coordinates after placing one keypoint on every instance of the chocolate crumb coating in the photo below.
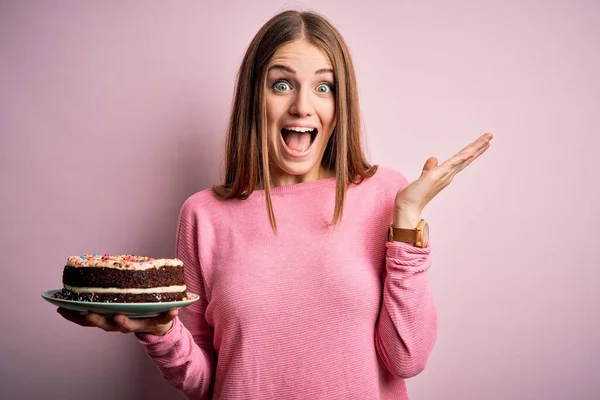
(121, 297)
(103, 277)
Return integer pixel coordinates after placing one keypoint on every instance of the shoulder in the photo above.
(382, 187)
(389, 174)
(387, 179)
(199, 203)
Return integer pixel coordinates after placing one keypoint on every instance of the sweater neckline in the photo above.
(319, 183)
(323, 182)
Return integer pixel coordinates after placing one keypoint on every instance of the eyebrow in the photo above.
(292, 71)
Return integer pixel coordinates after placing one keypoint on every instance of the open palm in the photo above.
(416, 195)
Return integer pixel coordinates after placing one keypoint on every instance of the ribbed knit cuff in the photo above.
(408, 257)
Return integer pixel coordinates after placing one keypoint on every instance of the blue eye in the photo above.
(325, 88)
(281, 86)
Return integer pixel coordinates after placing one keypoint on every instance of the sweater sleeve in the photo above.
(185, 355)
(407, 326)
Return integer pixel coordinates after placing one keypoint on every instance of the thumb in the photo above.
(430, 164)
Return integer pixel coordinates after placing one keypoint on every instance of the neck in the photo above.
(279, 178)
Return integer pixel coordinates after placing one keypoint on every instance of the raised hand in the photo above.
(120, 323)
(412, 199)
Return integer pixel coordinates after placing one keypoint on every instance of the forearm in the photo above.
(407, 327)
(183, 363)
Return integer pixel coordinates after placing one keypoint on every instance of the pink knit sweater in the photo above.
(314, 312)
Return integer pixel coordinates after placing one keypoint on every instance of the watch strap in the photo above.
(403, 235)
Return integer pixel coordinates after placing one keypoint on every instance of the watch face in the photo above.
(425, 235)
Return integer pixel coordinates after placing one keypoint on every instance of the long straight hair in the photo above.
(246, 152)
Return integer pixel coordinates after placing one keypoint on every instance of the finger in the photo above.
(472, 158)
(430, 164)
(102, 322)
(474, 143)
(450, 174)
(73, 316)
(487, 136)
(473, 149)
(127, 324)
(124, 323)
(169, 316)
(467, 153)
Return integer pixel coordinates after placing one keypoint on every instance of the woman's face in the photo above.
(300, 112)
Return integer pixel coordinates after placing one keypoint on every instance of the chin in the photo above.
(297, 169)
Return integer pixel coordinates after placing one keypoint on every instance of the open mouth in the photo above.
(298, 140)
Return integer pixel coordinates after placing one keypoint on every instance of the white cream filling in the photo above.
(163, 289)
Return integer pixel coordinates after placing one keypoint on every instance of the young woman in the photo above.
(311, 264)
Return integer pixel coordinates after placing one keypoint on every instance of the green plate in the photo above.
(132, 310)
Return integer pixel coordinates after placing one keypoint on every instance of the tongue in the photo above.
(299, 141)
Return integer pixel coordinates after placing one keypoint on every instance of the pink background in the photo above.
(112, 113)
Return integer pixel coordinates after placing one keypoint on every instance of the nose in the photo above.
(301, 104)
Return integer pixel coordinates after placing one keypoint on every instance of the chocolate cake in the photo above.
(122, 279)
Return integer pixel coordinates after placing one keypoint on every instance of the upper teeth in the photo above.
(299, 129)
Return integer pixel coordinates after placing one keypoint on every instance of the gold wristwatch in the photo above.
(418, 236)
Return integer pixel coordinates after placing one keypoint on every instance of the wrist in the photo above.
(406, 219)
(162, 330)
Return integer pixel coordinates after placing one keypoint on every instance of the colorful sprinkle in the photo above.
(128, 261)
